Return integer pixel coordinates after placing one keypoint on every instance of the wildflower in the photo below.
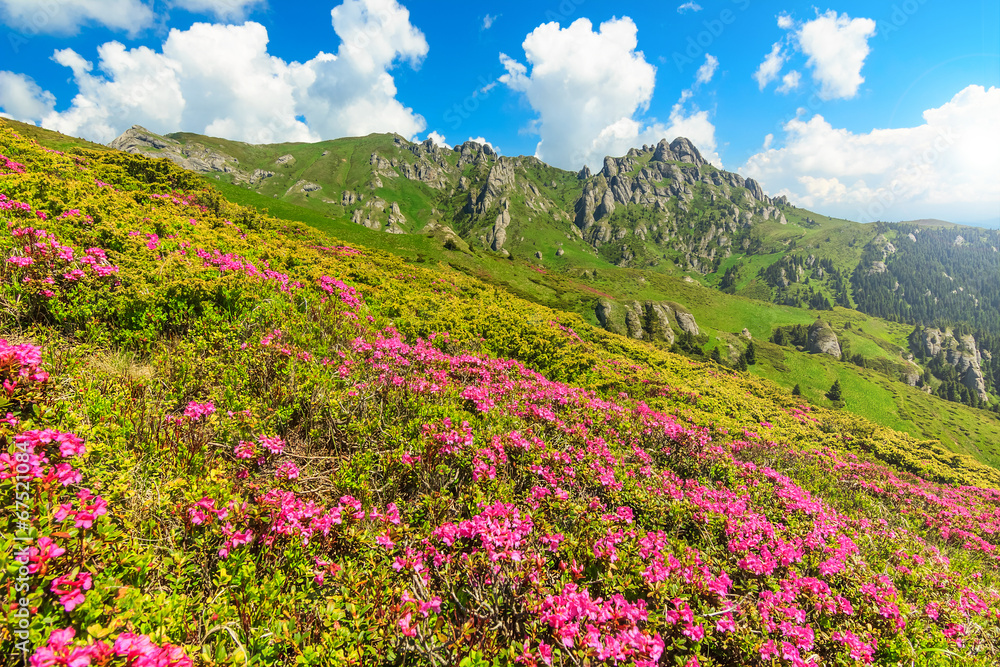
(275, 445)
(70, 589)
(195, 411)
(287, 470)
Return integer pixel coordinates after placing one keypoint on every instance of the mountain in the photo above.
(661, 209)
(246, 441)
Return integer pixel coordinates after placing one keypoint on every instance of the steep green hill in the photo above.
(230, 440)
(623, 243)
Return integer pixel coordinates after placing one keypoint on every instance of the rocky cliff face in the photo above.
(195, 157)
(646, 320)
(664, 179)
(637, 209)
(961, 352)
(823, 340)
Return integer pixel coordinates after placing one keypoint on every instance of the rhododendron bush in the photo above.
(227, 440)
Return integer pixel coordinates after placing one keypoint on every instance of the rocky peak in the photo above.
(473, 152)
(756, 191)
(195, 156)
(499, 181)
(686, 152)
(137, 138)
(680, 150)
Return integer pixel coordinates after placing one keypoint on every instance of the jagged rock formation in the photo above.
(666, 179)
(647, 320)
(378, 215)
(636, 210)
(823, 340)
(196, 157)
(961, 352)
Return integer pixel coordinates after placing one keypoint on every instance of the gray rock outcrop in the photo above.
(195, 157)
(646, 320)
(962, 353)
(823, 340)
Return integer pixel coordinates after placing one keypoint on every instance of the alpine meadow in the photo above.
(288, 379)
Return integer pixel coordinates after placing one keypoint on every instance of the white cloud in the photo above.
(23, 99)
(689, 7)
(353, 92)
(771, 66)
(488, 21)
(707, 69)
(220, 80)
(944, 168)
(837, 47)
(790, 82)
(439, 140)
(221, 9)
(587, 87)
(66, 17)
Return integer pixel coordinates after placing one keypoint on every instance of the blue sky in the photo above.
(866, 110)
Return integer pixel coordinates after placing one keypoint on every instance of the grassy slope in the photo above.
(869, 394)
(129, 354)
(558, 285)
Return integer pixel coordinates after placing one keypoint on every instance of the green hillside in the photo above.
(232, 440)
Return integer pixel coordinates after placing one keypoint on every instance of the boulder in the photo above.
(823, 340)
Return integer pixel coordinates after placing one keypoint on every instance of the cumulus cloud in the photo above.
(587, 88)
(221, 9)
(488, 21)
(944, 168)
(689, 7)
(836, 47)
(23, 99)
(790, 82)
(66, 17)
(707, 69)
(770, 67)
(220, 80)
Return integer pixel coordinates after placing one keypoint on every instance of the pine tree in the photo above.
(835, 394)
(751, 354)
(741, 364)
(796, 390)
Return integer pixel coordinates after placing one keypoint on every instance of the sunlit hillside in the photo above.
(231, 439)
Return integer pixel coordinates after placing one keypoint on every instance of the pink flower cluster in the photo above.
(20, 363)
(43, 260)
(608, 630)
(88, 508)
(10, 166)
(347, 294)
(195, 411)
(137, 650)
